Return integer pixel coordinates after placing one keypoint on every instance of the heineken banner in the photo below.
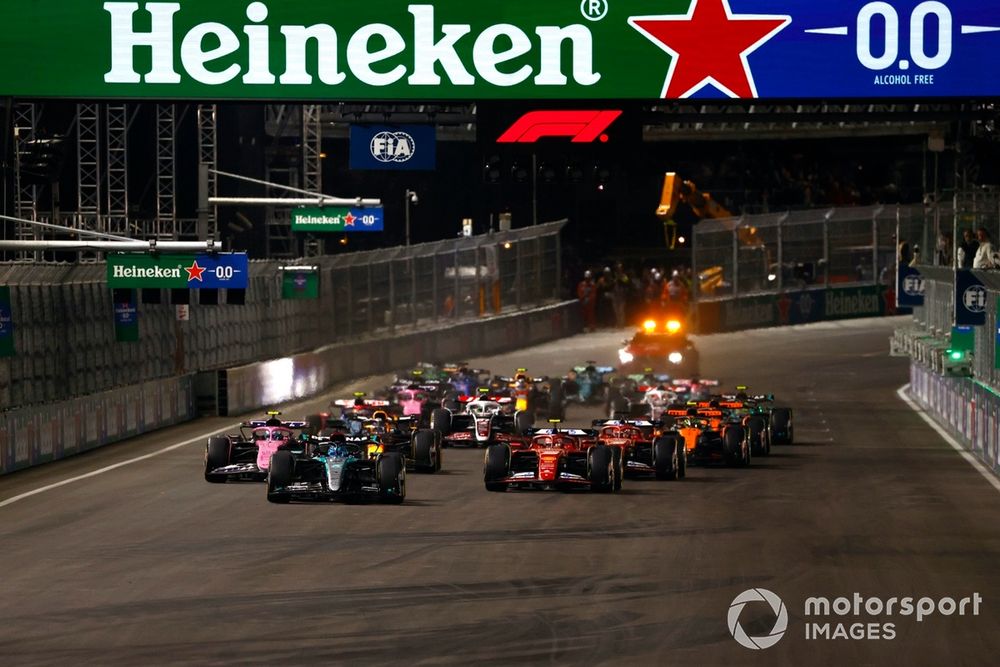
(792, 308)
(300, 284)
(518, 49)
(179, 271)
(6, 324)
(126, 316)
(338, 219)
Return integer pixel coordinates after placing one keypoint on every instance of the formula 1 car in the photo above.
(482, 422)
(664, 350)
(646, 448)
(710, 437)
(247, 455)
(587, 384)
(554, 459)
(334, 469)
(540, 396)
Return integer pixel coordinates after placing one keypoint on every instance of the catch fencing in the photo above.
(63, 315)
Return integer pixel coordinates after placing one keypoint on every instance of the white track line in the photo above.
(956, 445)
(122, 464)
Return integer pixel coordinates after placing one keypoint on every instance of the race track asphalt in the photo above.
(146, 564)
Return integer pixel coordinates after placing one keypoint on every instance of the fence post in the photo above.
(875, 246)
(781, 253)
(558, 287)
(736, 256)
(392, 296)
(413, 290)
(826, 249)
(456, 299)
(371, 309)
(434, 285)
(517, 274)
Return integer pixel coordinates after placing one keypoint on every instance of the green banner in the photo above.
(300, 285)
(137, 271)
(337, 219)
(6, 324)
(309, 49)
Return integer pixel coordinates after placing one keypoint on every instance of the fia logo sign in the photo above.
(974, 299)
(393, 147)
(913, 285)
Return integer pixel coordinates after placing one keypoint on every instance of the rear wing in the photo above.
(260, 423)
(368, 403)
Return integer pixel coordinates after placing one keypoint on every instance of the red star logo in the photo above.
(194, 272)
(709, 45)
(349, 220)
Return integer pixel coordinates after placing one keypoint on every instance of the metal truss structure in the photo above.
(116, 158)
(208, 156)
(164, 225)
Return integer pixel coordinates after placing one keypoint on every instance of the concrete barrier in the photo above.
(260, 385)
(40, 434)
(966, 408)
(35, 435)
(790, 308)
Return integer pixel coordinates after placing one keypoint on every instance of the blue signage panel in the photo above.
(845, 49)
(230, 271)
(970, 300)
(909, 287)
(393, 147)
(6, 324)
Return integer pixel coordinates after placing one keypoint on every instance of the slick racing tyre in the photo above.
(601, 466)
(733, 443)
(441, 421)
(280, 475)
(557, 401)
(391, 472)
(759, 442)
(781, 427)
(426, 451)
(619, 465)
(682, 459)
(666, 458)
(523, 421)
(496, 467)
(216, 456)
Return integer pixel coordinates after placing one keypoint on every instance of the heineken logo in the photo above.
(846, 305)
(738, 314)
(260, 53)
(145, 272)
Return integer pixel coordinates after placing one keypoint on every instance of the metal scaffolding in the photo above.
(208, 155)
(88, 166)
(165, 225)
(116, 158)
(283, 168)
(26, 203)
(312, 164)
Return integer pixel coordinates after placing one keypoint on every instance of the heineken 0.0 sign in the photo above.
(179, 271)
(337, 219)
(516, 49)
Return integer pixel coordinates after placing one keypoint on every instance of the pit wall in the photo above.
(790, 308)
(35, 435)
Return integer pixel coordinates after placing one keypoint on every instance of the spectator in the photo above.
(967, 250)
(943, 254)
(586, 292)
(621, 284)
(605, 311)
(903, 253)
(984, 255)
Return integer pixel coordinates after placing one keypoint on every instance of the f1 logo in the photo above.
(583, 127)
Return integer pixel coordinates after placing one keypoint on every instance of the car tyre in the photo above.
(666, 462)
(496, 467)
(601, 468)
(280, 474)
(216, 456)
(391, 473)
